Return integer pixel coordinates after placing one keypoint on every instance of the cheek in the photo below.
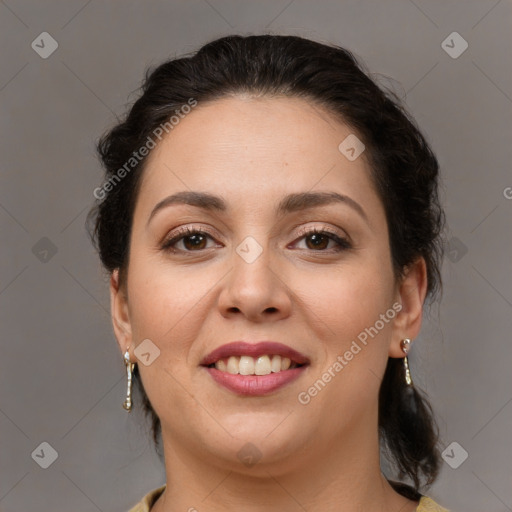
(166, 307)
(162, 296)
(351, 309)
(349, 298)
(353, 340)
(170, 305)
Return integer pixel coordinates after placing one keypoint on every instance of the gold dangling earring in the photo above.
(127, 405)
(406, 344)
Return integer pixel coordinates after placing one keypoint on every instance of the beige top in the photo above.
(426, 504)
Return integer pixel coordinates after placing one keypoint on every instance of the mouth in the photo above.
(260, 358)
(254, 369)
(262, 365)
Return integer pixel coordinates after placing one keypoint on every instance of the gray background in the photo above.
(62, 379)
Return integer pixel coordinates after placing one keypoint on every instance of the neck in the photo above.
(344, 477)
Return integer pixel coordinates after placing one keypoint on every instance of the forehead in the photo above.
(263, 128)
(255, 148)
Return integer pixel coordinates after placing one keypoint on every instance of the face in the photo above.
(261, 263)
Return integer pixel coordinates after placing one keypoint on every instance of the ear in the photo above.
(120, 313)
(411, 295)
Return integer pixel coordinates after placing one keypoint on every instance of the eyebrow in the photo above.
(289, 204)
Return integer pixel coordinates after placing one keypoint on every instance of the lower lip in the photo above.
(255, 385)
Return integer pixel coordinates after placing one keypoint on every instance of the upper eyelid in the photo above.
(333, 231)
(183, 230)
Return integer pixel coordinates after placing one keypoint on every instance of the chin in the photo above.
(268, 439)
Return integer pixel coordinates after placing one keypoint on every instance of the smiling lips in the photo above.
(254, 369)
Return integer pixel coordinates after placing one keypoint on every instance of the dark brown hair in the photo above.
(404, 171)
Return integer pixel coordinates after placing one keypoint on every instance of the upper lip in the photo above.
(241, 348)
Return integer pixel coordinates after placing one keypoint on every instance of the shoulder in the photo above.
(145, 504)
(428, 505)
(425, 504)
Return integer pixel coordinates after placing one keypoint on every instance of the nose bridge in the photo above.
(252, 274)
(253, 288)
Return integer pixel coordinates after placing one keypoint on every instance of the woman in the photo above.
(271, 226)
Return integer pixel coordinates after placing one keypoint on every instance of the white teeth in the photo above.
(262, 366)
(247, 365)
(221, 365)
(276, 364)
(232, 366)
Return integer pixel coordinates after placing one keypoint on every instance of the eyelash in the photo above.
(343, 243)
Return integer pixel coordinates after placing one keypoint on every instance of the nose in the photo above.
(255, 290)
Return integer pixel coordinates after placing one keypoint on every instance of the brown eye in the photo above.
(197, 241)
(317, 241)
(191, 240)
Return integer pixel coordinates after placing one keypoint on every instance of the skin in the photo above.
(320, 456)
